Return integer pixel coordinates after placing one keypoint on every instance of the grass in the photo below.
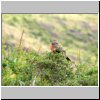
(27, 60)
(54, 70)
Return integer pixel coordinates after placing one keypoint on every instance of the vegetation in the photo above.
(27, 60)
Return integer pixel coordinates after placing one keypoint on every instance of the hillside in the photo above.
(77, 33)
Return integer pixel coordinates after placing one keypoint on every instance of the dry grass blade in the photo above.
(21, 39)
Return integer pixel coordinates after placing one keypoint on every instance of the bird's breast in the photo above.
(52, 48)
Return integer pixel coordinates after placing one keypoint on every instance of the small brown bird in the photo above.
(56, 48)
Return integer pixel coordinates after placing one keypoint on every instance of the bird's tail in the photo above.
(68, 58)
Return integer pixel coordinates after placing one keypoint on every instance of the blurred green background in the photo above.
(77, 33)
(74, 31)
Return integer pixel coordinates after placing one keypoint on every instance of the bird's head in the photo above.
(53, 45)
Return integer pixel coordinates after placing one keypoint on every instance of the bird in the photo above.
(55, 47)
